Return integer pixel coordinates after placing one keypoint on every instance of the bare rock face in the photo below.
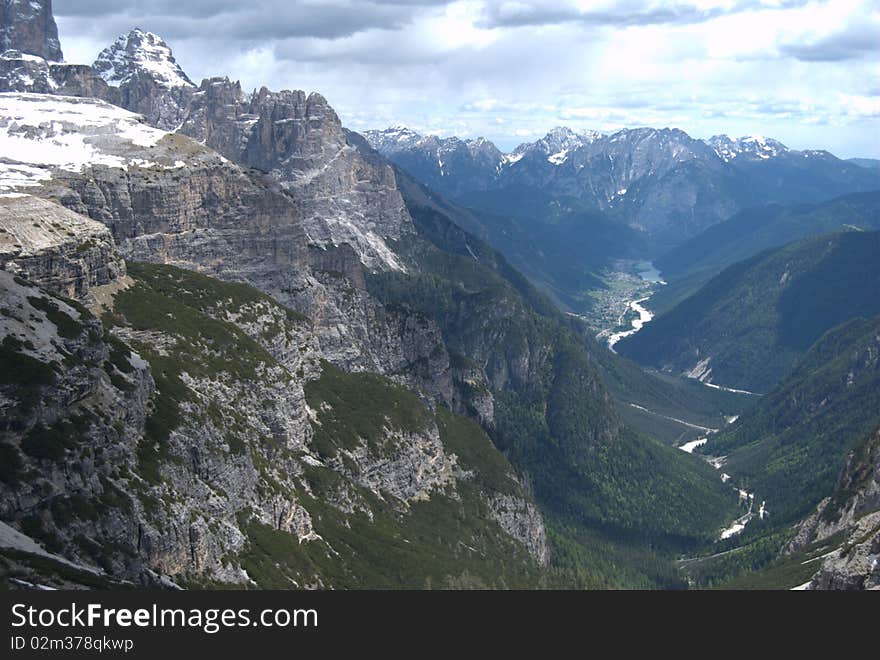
(411, 466)
(20, 72)
(343, 196)
(522, 520)
(854, 511)
(855, 566)
(55, 248)
(29, 26)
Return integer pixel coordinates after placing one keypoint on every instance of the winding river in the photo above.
(650, 275)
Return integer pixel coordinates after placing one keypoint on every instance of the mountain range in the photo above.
(242, 347)
(564, 208)
(661, 182)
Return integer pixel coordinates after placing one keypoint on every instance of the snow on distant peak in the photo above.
(558, 158)
(392, 139)
(556, 146)
(140, 51)
(752, 147)
(515, 157)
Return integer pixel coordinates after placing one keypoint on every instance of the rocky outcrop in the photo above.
(855, 566)
(343, 196)
(661, 182)
(55, 248)
(70, 420)
(82, 80)
(853, 512)
(409, 466)
(29, 26)
(20, 72)
(522, 520)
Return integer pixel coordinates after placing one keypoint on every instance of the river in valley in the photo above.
(645, 278)
(631, 285)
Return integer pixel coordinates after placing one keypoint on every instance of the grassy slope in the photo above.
(758, 316)
(791, 448)
(446, 541)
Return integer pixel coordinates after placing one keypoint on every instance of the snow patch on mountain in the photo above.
(751, 147)
(556, 146)
(393, 139)
(140, 52)
(43, 131)
(558, 158)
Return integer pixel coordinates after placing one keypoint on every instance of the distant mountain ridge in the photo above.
(661, 182)
(869, 163)
(756, 229)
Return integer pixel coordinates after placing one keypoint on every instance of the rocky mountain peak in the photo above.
(483, 147)
(140, 53)
(393, 139)
(29, 26)
(400, 138)
(556, 145)
(750, 147)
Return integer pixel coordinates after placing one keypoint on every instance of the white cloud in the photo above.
(805, 72)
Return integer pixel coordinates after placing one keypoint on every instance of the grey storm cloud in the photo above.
(858, 41)
(250, 21)
(622, 14)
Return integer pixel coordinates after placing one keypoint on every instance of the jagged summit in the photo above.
(556, 145)
(394, 138)
(137, 53)
(400, 138)
(28, 26)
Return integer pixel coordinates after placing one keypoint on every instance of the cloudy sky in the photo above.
(805, 72)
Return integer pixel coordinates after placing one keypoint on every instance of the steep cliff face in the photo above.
(29, 26)
(20, 72)
(206, 456)
(343, 196)
(73, 407)
(853, 513)
(55, 248)
(169, 199)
